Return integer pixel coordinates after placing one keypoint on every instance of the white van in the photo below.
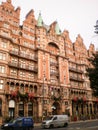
(55, 121)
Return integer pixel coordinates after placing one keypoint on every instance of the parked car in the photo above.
(55, 121)
(21, 123)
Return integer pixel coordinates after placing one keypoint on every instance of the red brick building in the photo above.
(41, 71)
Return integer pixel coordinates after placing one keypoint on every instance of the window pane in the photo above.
(2, 69)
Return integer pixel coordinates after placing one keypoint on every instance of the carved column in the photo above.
(16, 109)
(26, 109)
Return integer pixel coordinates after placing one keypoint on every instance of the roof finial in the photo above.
(39, 12)
(40, 20)
(57, 29)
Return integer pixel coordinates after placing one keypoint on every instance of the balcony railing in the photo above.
(13, 52)
(75, 70)
(13, 64)
(26, 56)
(54, 81)
(54, 73)
(76, 78)
(27, 67)
(23, 66)
(54, 64)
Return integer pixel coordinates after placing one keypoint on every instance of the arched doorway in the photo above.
(55, 108)
(11, 108)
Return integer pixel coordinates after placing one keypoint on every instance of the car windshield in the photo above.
(49, 118)
(12, 121)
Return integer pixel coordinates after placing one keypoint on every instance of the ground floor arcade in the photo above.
(26, 99)
(84, 109)
(34, 107)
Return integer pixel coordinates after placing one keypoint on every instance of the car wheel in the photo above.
(11, 128)
(65, 124)
(51, 126)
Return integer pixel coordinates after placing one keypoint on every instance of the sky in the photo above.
(76, 16)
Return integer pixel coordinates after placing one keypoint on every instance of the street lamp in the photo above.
(43, 112)
(43, 88)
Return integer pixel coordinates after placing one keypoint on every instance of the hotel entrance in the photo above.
(11, 108)
(55, 108)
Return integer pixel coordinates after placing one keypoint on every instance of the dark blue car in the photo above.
(21, 123)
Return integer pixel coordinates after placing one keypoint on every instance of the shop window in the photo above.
(30, 109)
(21, 109)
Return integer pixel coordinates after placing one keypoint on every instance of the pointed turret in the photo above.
(57, 29)
(40, 20)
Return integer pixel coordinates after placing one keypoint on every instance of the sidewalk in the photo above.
(37, 124)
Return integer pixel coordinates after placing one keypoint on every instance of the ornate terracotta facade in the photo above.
(41, 71)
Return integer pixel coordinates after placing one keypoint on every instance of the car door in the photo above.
(55, 121)
(18, 124)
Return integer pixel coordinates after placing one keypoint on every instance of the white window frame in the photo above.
(2, 56)
(1, 83)
(2, 69)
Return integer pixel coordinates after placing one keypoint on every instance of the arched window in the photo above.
(35, 89)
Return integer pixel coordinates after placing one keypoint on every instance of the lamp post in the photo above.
(43, 97)
(43, 87)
